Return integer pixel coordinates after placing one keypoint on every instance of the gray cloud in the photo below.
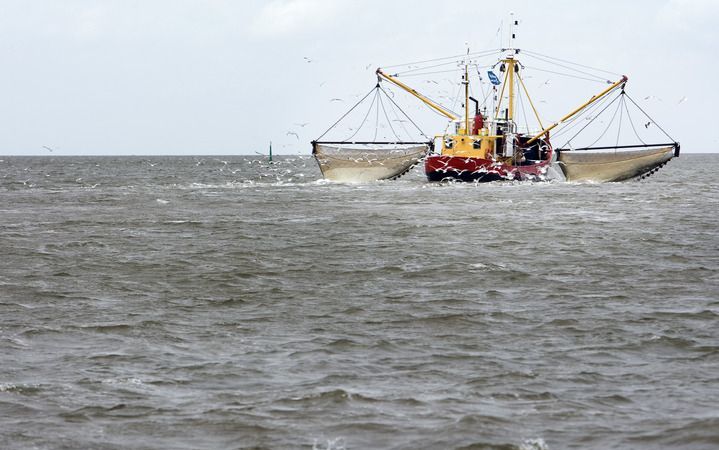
(220, 76)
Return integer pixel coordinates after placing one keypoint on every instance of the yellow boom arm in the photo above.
(573, 113)
(422, 98)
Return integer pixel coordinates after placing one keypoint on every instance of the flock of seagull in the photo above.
(308, 60)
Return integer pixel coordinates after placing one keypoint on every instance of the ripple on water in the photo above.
(206, 302)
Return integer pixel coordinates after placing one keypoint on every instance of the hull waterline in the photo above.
(480, 170)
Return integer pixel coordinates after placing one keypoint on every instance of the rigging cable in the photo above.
(374, 99)
(570, 62)
(404, 113)
(590, 122)
(457, 96)
(531, 103)
(478, 54)
(501, 95)
(416, 69)
(568, 68)
(436, 102)
(608, 126)
(587, 111)
(621, 116)
(389, 122)
(376, 122)
(397, 119)
(485, 92)
(351, 109)
(521, 103)
(647, 115)
(456, 69)
(566, 75)
(431, 73)
(629, 116)
(574, 121)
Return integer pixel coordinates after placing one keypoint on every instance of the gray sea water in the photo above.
(223, 302)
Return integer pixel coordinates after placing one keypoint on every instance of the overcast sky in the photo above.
(228, 76)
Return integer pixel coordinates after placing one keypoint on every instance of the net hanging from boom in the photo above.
(611, 161)
(369, 154)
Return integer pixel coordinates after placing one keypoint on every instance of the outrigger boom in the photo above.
(422, 98)
(579, 109)
(490, 145)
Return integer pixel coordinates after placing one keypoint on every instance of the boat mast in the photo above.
(510, 79)
(509, 65)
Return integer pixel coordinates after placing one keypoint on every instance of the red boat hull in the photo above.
(479, 170)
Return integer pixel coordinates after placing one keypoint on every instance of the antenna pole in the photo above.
(512, 23)
(466, 98)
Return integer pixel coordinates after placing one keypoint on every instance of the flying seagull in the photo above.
(47, 148)
(292, 133)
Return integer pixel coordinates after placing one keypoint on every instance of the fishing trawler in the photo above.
(486, 144)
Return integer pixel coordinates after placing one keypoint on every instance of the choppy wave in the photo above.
(226, 302)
